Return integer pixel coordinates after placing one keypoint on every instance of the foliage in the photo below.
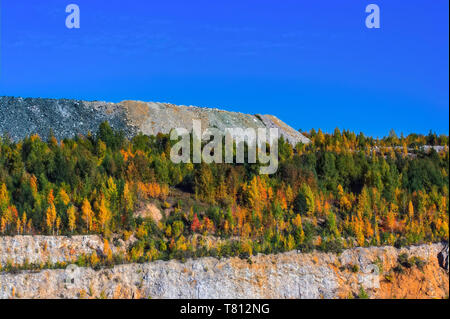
(339, 191)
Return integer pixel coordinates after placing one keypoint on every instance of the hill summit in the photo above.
(21, 117)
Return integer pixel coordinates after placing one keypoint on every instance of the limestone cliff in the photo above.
(374, 270)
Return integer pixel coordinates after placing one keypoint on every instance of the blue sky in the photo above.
(311, 63)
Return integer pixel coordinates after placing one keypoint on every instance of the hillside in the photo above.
(114, 202)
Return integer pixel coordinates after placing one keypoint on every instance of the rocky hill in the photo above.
(20, 117)
(377, 272)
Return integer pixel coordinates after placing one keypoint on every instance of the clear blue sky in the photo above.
(311, 63)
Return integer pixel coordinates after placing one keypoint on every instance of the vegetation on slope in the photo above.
(342, 190)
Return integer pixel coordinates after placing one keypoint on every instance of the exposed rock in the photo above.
(287, 275)
(40, 249)
(149, 210)
(53, 249)
(21, 117)
(443, 257)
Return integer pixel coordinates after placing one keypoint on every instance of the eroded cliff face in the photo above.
(289, 275)
(19, 250)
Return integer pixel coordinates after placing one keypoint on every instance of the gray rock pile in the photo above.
(21, 117)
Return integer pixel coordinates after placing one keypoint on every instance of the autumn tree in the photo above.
(71, 215)
(87, 214)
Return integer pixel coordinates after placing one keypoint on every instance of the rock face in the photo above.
(21, 117)
(19, 250)
(41, 249)
(287, 275)
(443, 257)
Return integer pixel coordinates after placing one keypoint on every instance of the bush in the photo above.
(399, 269)
(379, 264)
(389, 277)
(404, 261)
(334, 246)
(244, 255)
(362, 294)
(354, 268)
(418, 262)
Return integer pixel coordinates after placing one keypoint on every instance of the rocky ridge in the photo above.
(19, 250)
(288, 275)
(21, 117)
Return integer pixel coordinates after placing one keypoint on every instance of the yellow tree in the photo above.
(289, 195)
(24, 221)
(344, 202)
(297, 222)
(8, 218)
(290, 242)
(320, 138)
(33, 185)
(358, 225)
(71, 215)
(390, 220)
(253, 192)
(127, 198)
(63, 197)
(50, 197)
(87, 214)
(368, 230)
(4, 198)
(376, 231)
(107, 250)
(50, 219)
(18, 226)
(310, 202)
(404, 150)
(410, 210)
(58, 224)
(221, 192)
(30, 225)
(364, 207)
(111, 191)
(3, 225)
(104, 214)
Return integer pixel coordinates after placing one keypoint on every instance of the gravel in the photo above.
(21, 117)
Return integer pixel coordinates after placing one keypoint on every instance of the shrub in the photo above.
(354, 268)
(418, 262)
(398, 269)
(362, 294)
(389, 277)
(404, 261)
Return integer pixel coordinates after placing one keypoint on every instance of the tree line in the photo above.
(341, 190)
